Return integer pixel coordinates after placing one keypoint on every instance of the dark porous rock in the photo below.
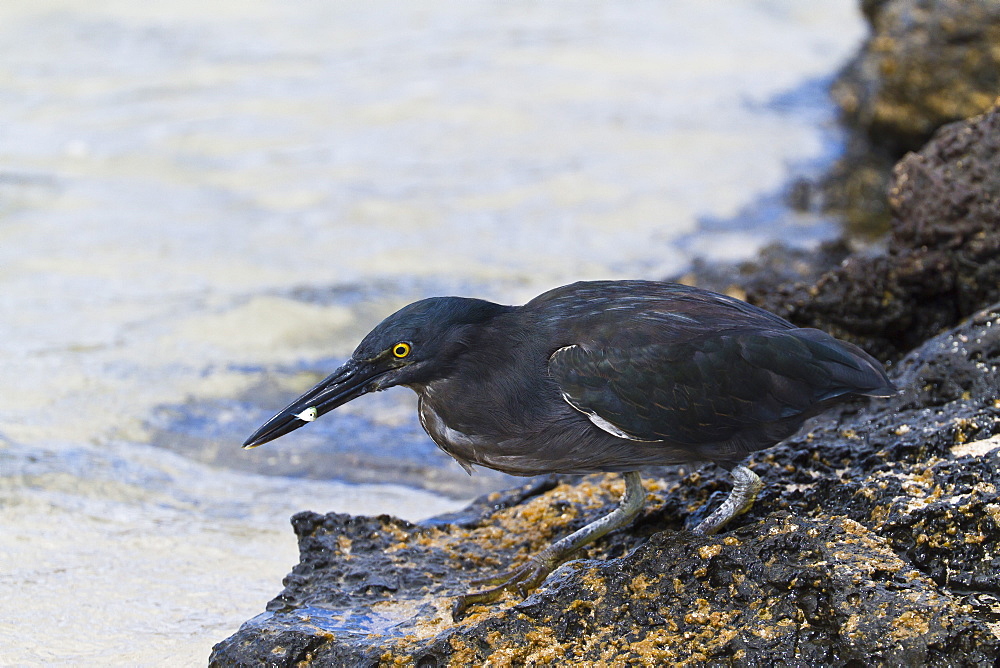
(943, 253)
(875, 542)
(775, 264)
(926, 63)
(922, 471)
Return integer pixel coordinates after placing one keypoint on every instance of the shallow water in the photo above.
(204, 206)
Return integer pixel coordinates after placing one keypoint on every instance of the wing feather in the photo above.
(716, 387)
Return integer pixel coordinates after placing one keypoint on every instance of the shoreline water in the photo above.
(203, 207)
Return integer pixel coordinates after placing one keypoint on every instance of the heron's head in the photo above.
(413, 346)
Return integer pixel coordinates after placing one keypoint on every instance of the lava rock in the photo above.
(943, 253)
(776, 264)
(926, 63)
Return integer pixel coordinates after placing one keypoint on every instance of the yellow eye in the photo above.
(401, 349)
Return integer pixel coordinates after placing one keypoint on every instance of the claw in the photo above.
(522, 580)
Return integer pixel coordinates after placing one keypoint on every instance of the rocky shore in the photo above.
(876, 540)
(877, 537)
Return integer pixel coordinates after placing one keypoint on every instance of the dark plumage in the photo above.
(599, 376)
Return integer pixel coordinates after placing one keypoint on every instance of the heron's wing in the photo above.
(712, 388)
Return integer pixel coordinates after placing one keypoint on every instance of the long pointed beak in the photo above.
(348, 382)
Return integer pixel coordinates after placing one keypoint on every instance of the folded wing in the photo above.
(716, 387)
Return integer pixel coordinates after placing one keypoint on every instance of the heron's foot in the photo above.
(536, 563)
(533, 573)
(694, 520)
(746, 486)
(522, 580)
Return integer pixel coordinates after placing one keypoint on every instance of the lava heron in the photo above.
(598, 376)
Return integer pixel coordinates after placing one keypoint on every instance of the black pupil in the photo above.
(400, 350)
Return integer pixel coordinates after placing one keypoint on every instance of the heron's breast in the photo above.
(465, 448)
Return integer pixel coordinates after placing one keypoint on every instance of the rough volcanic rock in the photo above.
(922, 470)
(876, 541)
(943, 253)
(775, 264)
(926, 63)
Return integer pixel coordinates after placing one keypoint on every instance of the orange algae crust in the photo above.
(655, 608)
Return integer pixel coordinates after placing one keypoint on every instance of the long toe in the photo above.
(534, 572)
(522, 580)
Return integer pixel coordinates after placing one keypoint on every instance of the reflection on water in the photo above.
(370, 442)
(199, 201)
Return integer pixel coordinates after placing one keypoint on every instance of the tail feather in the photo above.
(849, 366)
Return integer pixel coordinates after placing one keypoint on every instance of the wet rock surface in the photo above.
(876, 540)
(942, 259)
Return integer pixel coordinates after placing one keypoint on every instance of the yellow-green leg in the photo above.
(534, 572)
(746, 486)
